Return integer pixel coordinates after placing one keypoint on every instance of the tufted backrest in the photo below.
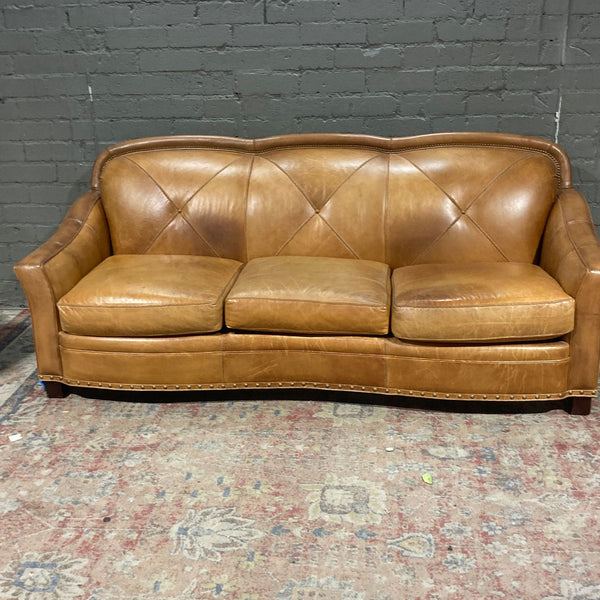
(435, 198)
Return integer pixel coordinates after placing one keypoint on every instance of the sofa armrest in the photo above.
(81, 242)
(571, 254)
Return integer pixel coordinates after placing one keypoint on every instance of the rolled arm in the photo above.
(81, 242)
(571, 254)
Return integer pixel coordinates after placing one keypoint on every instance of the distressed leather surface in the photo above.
(300, 294)
(479, 302)
(81, 242)
(348, 362)
(473, 202)
(149, 295)
(571, 254)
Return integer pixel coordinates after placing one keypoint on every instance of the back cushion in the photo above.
(429, 205)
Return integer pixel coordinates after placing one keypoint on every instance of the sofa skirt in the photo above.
(386, 365)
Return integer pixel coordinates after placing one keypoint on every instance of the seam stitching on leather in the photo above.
(247, 198)
(479, 306)
(303, 301)
(463, 212)
(76, 232)
(317, 211)
(171, 220)
(354, 146)
(384, 228)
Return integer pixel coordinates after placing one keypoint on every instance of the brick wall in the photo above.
(78, 75)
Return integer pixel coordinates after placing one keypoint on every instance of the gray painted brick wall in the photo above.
(262, 67)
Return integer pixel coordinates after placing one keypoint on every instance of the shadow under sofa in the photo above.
(449, 266)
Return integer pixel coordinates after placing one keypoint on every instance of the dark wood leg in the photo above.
(581, 405)
(55, 389)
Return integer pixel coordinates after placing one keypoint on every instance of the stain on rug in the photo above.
(254, 499)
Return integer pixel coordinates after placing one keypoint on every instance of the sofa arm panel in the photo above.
(571, 254)
(81, 242)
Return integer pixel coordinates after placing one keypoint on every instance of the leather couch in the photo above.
(450, 266)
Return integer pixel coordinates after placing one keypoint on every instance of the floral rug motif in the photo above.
(262, 498)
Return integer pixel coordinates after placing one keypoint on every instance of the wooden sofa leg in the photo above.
(581, 405)
(55, 389)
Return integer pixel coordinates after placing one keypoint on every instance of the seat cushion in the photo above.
(149, 295)
(303, 294)
(479, 302)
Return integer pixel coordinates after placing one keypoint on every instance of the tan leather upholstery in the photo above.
(476, 215)
(299, 294)
(412, 205)
(571, 254)
(479, 302)
(149, 295)
(359, 363)
(81, 242)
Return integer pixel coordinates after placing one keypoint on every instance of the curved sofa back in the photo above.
(433, 198)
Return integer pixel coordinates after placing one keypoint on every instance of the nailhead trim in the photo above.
(317, 385)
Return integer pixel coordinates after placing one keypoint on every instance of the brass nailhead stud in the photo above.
(485, 396)
(258, 385)
(387, 390)
(351, 387)
(211, 385)
(497, 396)
(472, 396)
(447, 395)
(245, 385)
(141, 386)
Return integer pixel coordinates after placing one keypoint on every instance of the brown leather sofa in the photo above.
(449, 266)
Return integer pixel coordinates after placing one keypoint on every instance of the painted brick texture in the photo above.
(78, 75)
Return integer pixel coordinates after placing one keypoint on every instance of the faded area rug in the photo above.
(286, 499)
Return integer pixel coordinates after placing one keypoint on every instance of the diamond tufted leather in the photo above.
(401, 208)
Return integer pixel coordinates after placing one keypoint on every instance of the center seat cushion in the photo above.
(149, 295)
(479, 302)
(305, 294)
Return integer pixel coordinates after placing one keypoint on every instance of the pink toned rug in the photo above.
(271, 498)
